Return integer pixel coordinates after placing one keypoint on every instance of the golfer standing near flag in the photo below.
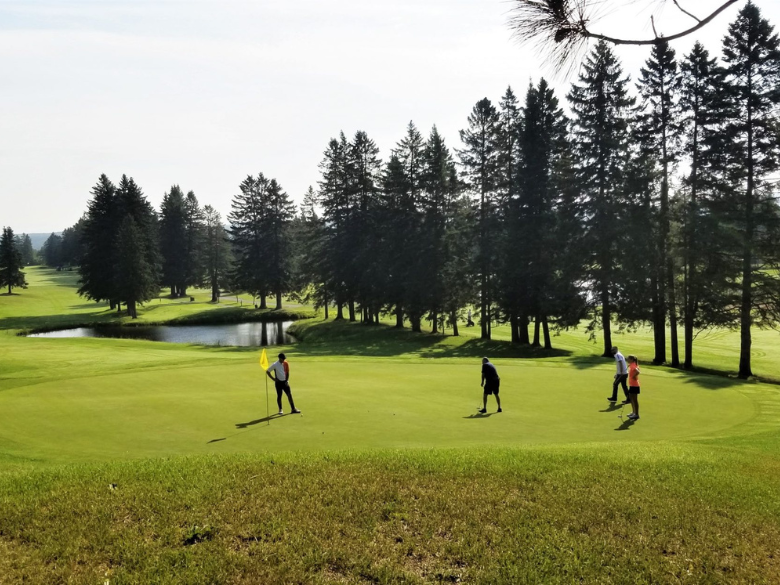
(620, 376)
(281, 378)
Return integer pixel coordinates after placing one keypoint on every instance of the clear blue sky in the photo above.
(203, 93)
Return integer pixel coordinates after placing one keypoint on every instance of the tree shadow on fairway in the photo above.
(493, 348)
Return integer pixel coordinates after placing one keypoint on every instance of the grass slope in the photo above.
(140, 462)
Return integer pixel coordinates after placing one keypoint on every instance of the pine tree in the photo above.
(659, 127)
(706, 270)
(534, 246)
(510, 282)
(480, 161)
(173, 241)
(137, 272)
(600, 105)
(24, 245)
(71, 243)
(11, 273)
(96, 267)
(194, 243)
(311, 274)
(281, 212)
(333, 198)
(751, 55)
(217, 251)
(52, 251)
(440, 187)
(136, 277)
(365, 275)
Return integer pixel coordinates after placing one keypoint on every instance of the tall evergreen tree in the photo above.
(24, 245)
(174, 241)
(751, 55)
(217, 251)
(601, 106)
(71, 243)
(659, 127)
(11, 273)
(311, 264)
(705, 242)
(365, 276)
(440, 187)
(101, 223)
(333, 198)
(136, 277)
(194, 243)
(137, 273)
(259, 223)
(543, 143)
(281, 212)
(480, 161)
(52, 251)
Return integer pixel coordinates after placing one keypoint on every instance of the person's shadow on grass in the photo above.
(613, 406)
(626, 425)
(480, 415)
(258, 421)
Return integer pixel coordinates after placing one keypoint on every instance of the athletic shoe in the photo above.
(499, 410)
(626, 402)
(612, 400)
(296, 411)
(281, 412)
(633, 416)
(482, 410)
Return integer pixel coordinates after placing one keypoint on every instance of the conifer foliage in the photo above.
(11, 264)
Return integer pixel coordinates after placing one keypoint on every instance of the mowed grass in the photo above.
(140, 462)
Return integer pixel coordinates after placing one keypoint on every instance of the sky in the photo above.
(202, 93)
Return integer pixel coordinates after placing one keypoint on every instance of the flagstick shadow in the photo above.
(258, 421)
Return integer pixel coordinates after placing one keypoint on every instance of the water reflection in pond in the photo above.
(239, 335)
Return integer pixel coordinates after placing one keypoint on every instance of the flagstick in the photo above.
(267, 413)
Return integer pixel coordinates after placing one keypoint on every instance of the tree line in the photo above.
(648, 203)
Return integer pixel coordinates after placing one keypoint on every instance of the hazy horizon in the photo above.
(202, 94)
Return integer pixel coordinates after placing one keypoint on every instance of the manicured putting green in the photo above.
(359, 403)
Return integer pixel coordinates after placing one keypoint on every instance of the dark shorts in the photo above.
(282, 387)
(491, 386)
(633, 389)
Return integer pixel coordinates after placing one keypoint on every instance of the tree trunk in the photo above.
(546, 328)
(606, 320)
(435, 327)
(326, 309)
(339, 311)
(263, 304)
(399, 317)
(659, 322)
(278, 300)
(672, 315)
(537, 325)
(131, 309)
(454, 319)
(351, 306)
(523, 330)
(513, 323)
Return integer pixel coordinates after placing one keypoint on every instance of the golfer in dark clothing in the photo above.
(491, 383)
(281, 378)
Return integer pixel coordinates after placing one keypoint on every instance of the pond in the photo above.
(237, 335)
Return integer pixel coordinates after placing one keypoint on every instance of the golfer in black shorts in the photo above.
(491, 383)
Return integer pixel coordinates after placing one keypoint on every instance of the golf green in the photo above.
(359, 403)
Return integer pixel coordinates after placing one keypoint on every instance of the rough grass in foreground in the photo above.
(644, 514)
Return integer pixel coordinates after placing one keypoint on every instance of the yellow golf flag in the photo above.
(264, 360)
